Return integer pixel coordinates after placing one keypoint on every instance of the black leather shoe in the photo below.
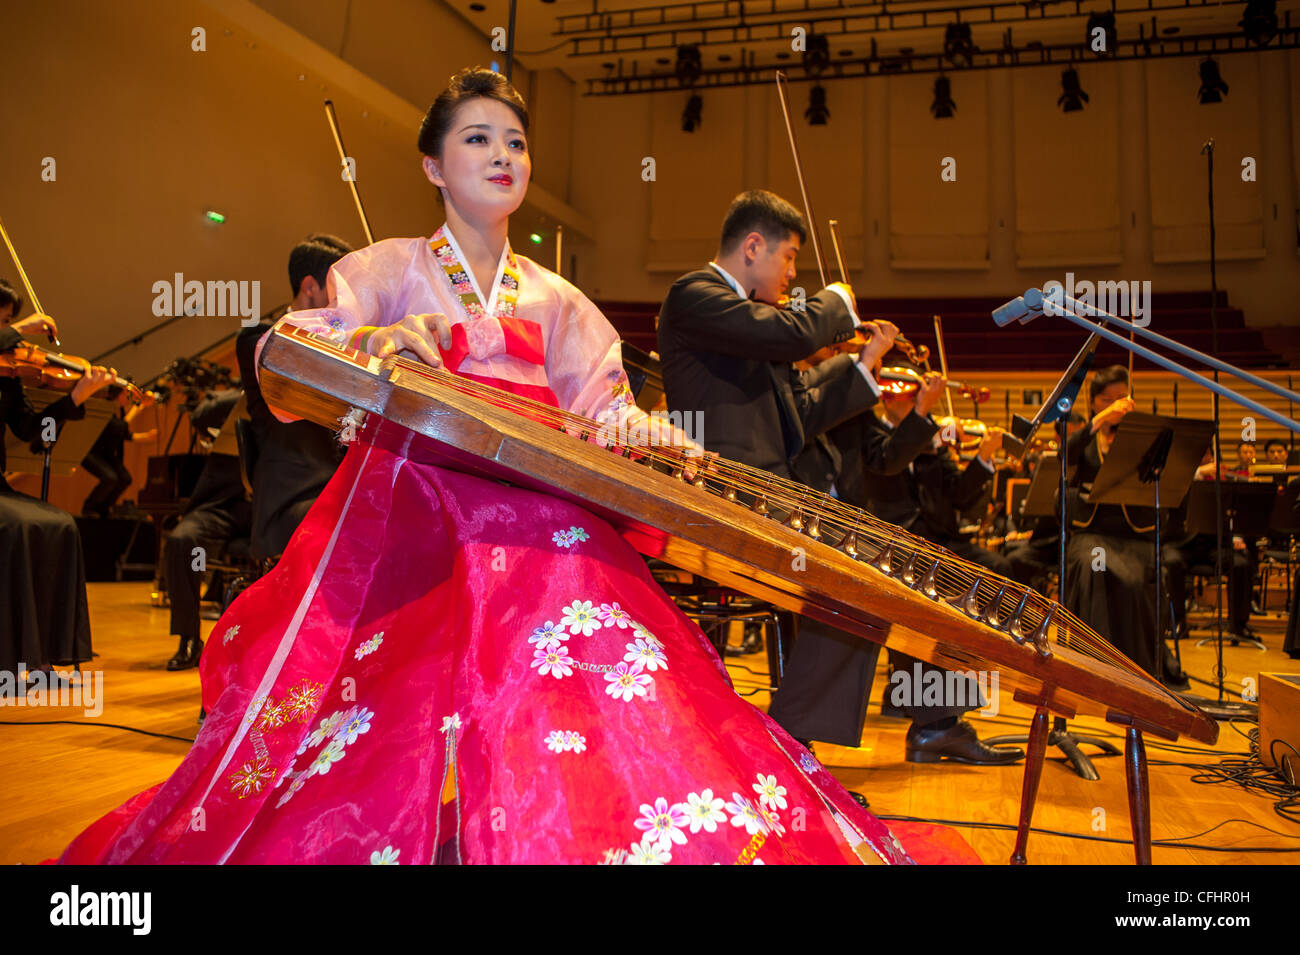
(958, 743)
(187, 655)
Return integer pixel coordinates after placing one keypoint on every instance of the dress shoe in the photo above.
(187, 655)
(926, 744)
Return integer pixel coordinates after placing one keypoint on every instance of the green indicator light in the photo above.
(215, 216)
(537, 239)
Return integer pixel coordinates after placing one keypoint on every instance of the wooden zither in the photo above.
(764, 536)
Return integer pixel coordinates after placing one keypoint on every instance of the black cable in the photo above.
(116, 726)
(1177, 843)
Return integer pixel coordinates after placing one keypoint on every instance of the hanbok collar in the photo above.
(505, 285)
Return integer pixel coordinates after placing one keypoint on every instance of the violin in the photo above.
(37, 367)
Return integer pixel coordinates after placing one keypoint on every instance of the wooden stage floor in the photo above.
(60, 778)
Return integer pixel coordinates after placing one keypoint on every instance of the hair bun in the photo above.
(476, 81)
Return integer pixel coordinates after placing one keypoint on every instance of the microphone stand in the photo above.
(1057, 408)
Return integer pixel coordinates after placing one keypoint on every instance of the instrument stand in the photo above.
(1248, 508)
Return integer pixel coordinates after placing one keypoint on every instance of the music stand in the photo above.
(70, 446)
(1152, 454)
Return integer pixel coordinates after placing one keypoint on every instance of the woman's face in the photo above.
(1108, 396)
(485, 166)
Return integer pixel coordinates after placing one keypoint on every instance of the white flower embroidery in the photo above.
(562, 538)
(230, 634)
(648, 853)
(327, 757)
(554, 660)
(450, 723)
(704, 811)
(769, 793)
(565, 741)
(612, 615)
(662, 823)
(626, 682)
(387, 857)
(555, 741)
(370, 646)
(580, 617)
(807, 763)
(548, 636)
(648, 654)
(327, 728)
(773, 820)
(578, 534)
(744, 814)
(575, 741)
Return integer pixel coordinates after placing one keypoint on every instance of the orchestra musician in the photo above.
(105, 459)
(428, 630)
(294, 460)
(727, 351)
(1110, 566)
(906, 475)
(43, 615)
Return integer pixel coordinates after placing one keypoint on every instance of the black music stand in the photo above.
(1248, 509)
(1152, 456)
(72, 441)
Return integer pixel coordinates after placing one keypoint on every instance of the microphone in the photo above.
(1023, 308)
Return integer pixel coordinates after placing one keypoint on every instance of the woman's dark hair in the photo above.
(466, 85)
(1104, 378)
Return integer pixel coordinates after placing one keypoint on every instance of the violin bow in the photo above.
(943, 363)
(27, 283)
(798, 171)
(350, 178)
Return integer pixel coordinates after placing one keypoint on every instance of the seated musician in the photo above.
(907, 476)
(43, 615)
(1191, 550)
(429, 630)
(727, 350)
(217, 513)
(294, 460)
(1110, 567)
(1275, 451)
(106, 457)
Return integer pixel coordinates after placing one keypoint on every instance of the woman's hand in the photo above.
(422, 335)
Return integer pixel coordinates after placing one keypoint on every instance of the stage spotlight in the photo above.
(957, 44)
(1213, 89)
(816, 55)
(943, 106)
(817, 112)
(1072, 95)
(1259, 22)
(1107, 42)
(689, 66)
(692, 115)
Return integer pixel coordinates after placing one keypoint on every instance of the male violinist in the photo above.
(728, 350)
(897, 467)
(43, 615)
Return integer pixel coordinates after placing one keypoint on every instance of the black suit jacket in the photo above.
(294, 462)
(17, 412)
(926, 498)
(729, 358)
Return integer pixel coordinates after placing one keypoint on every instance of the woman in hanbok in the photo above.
(443, 668)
